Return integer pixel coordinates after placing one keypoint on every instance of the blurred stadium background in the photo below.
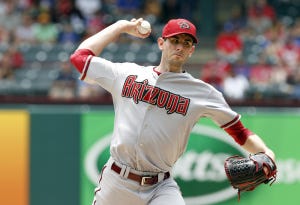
(249, 50)
(252, 44)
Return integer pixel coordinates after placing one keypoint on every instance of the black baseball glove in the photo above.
(245, 174)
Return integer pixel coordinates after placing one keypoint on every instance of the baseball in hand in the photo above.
(144, 28)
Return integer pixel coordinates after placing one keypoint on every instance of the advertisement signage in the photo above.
(199, 172)
(14, 157)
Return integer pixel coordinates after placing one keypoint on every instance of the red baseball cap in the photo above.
(179, 26)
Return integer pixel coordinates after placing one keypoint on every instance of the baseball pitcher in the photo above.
(155, 108)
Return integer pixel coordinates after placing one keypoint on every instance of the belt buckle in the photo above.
(144, 179)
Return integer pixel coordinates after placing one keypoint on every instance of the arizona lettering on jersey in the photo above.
(142, 91)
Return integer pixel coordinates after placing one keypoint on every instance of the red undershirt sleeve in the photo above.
(238, 132)
(81, 59)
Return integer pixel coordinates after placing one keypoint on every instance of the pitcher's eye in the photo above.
(174, 41)
(185, 43)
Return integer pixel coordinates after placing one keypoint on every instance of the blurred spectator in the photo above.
(295, 33)
(240, 67)
(214, 72)
(88, 7)
(250, 32)
(11, 59)
(279, 74)
(45, 30)
(46, 4)
(289, 53)
(4, 36)
(64, 86)
(237, 20)
(95, 23)
(260, 73)
(67, 35)
(229, 45)
(110, 8)
(246, 34)
(274, 43)
(2, 7)
(67, 12)
(10, 17)
(153, 8)
(293, 79)
(25, 32)
(6, 67)
(89, 92)
(235, 85)
(261, 15)
(187, 9)
(16, 56)
(132, 7)
(171, 9)
(63, 9)
(24, 4)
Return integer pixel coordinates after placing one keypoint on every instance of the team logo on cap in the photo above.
(184, 25)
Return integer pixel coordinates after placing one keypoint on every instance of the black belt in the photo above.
(142, 180)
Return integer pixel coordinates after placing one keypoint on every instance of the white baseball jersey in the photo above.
(154, 113)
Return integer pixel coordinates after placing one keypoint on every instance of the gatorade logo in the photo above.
(199, 172)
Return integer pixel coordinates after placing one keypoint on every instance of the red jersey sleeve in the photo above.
(237, 131)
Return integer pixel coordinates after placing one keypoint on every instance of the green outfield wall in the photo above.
(53, 154)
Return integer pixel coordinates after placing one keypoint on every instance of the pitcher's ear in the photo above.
(160, 42)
